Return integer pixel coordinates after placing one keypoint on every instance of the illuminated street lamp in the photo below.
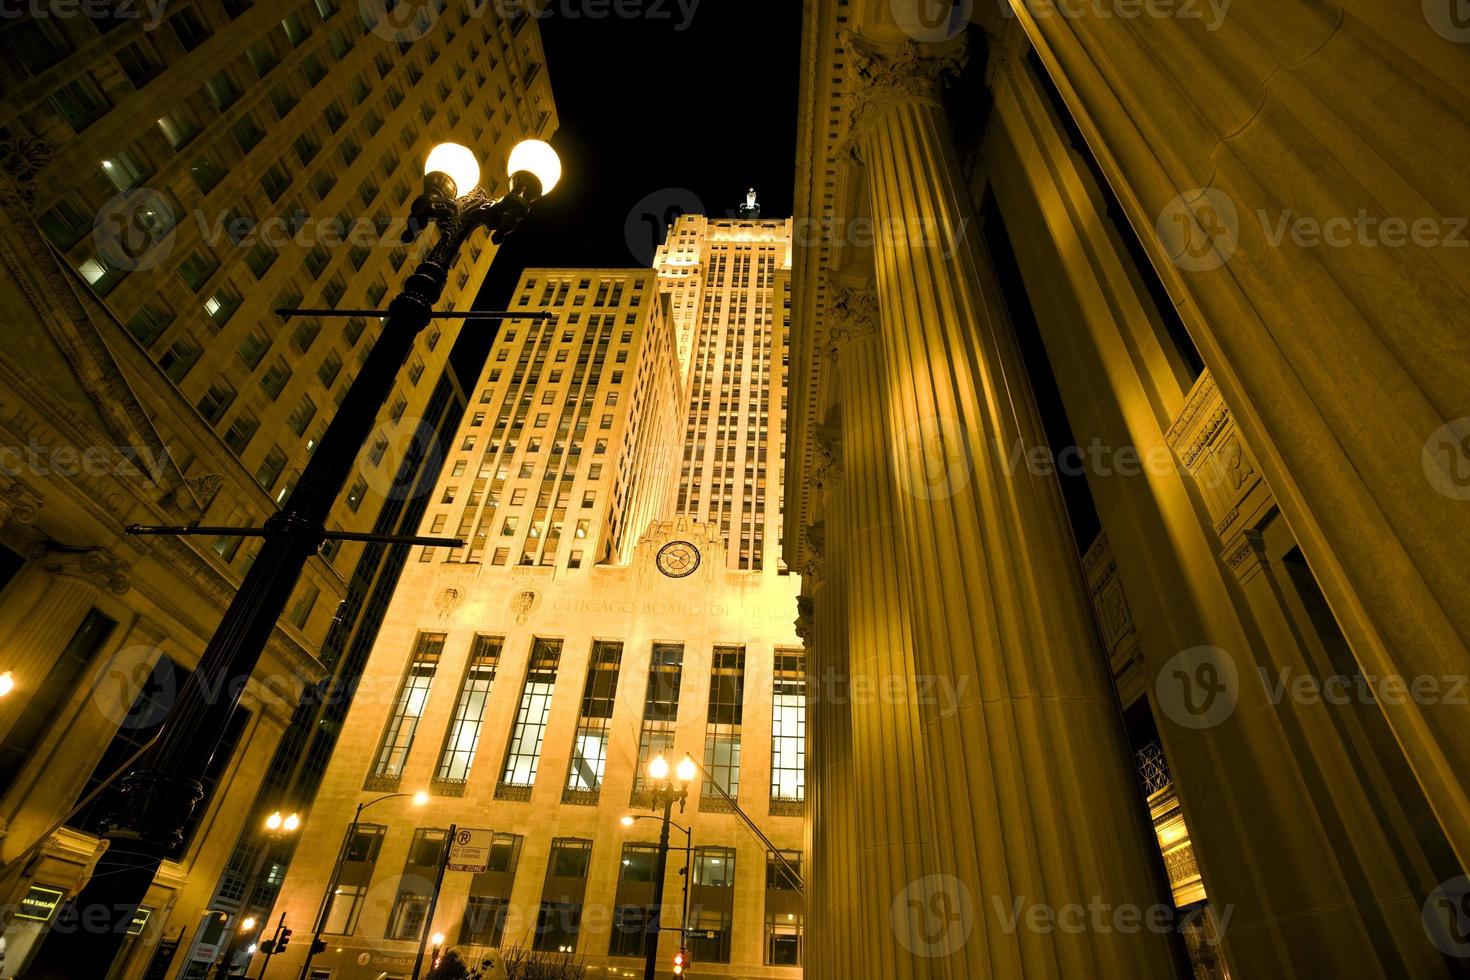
(665, 792)
(7, 683)
(276, 827)
(157, 799)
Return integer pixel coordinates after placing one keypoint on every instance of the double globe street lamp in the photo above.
(157, 799)
(664, 791)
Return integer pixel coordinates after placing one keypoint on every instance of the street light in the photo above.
(317, 946)
(276, 827)
(628, 821)
(7, 683)
(158, 798)
(667, 792)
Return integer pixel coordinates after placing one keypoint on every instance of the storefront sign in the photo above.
(39, 903)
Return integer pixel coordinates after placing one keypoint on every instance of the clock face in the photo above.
(678, 559)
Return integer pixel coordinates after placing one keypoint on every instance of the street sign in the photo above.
(470, 850)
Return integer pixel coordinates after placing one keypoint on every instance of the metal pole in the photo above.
(321, 915)
(418, 963)
(265, 964)
(158, 798)
(223, 966)
(650, 941)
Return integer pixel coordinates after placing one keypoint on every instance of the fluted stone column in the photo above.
(1035, 800)
(895, 836)
(1303, 166)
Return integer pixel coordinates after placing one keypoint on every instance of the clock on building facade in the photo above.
(678, 559)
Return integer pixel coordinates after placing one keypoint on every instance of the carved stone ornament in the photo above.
(827, 455)
(447, 601)
(852, 315)
(806, 620)
(97, 565)
(22, 157)
(878, 78)
(522, 604)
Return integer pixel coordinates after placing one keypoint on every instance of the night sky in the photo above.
(659, 115)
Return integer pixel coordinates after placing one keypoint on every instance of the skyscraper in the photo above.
(590, 624)
(173, 176)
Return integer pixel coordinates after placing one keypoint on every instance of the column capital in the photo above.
(880, 77)
(852, 315)
(812, 565)
(827, 444)
(97, 566)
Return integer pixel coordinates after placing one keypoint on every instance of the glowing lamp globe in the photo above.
(659, 767)
(538, 158)
(685, 770)
(457, 163)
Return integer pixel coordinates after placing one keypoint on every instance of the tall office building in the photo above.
(173, 175)
(730, 288)
(526, 680)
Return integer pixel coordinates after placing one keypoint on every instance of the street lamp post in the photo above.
(276, 827)
(419, 799)
(157, 798)
(688, 849)
(666, 792)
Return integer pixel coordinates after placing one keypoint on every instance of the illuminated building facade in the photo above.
(526, 680)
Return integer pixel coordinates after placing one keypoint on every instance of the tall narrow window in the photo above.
(469, 712)
(784, 910)
(353, 880)
(416, 885)
(44, 705)
(711, 904)
(589, 748)
(788, 732)
(722, 730)
(409, 708)
(660, 710)
(633, 904)
(559, 920)
(488, 905)
(524, 752)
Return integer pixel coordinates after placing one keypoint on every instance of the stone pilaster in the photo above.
(1033, 795)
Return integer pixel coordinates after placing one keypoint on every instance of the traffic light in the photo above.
(318, 946)
(681, 960)
(282, 940)
(268, 947)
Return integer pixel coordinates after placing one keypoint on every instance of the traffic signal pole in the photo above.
(277, 943)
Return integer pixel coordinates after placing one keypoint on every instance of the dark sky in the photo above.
(664, 113)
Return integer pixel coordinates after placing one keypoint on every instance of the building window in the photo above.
(722, 730)
(784, 918)
(788, 727)
(660, 708)
(489, 900)
(589, 747)
(560, 917)
(56, 686)
(416, 885)
(711, 904)
(358, 863)
(524, 752)
(409, 708)
(633, 905)
(469, 711)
